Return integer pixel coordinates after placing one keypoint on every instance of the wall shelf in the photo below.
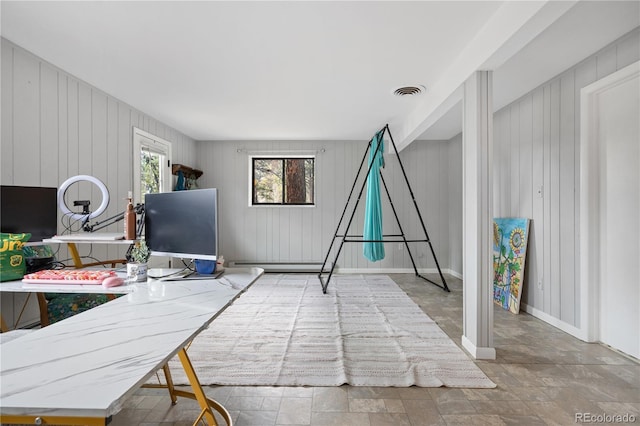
(188, 171)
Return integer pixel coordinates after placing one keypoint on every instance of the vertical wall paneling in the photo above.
(525, 158)
(542, 130)
(340, 180)
(111, 159)
(124, 151)
(534, 267)
(440, 213)
(62, 154)
(48, 148)
(6, 153)
(546, 134)
(497, 170)
(524, 165)
(55, 126)
(26, 120)
(99, 164)
(585, 74)
(6, 106)
(554, 198)
(454, 189)
(316, 247)
(513, 167)
(505, 163)
(85, 144)
(567, 197)
(73, 161)
(395, 254)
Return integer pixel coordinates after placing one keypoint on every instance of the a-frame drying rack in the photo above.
(395, 238)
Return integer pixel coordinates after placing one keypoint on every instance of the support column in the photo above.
(477, 189)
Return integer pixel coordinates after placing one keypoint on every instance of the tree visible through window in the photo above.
(150, 172)
(288, 181)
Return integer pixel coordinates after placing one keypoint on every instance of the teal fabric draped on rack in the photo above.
(374, 251)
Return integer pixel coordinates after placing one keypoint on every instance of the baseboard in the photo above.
(314, 267)
(478, 352)
(339, 270)
(567, 328)
(311, 266)
(453, 273)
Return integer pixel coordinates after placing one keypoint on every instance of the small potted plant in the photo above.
(137, 265)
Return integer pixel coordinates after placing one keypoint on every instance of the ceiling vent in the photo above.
(409, 90)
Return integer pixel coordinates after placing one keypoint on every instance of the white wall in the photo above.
(55, 126)
(537, 145)
(295, 234)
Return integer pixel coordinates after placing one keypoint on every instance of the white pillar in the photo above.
(477, 188)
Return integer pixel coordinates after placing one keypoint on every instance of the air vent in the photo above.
(409, 91)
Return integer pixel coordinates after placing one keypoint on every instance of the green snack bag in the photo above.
(12, 265)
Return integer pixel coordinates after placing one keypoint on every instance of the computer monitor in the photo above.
(29, 209)
(182, 224)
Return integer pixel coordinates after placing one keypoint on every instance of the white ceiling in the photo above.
(311, 70)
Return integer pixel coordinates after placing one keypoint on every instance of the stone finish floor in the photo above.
(544, 377)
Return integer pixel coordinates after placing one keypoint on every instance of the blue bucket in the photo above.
(206, 267)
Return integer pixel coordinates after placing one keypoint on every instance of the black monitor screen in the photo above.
(182, 223)
(29, 209)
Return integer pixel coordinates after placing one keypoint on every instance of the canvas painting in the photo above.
(510, 236)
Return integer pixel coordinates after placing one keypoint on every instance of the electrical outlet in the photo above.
(540, 191)
(540, 285)
(399, 246)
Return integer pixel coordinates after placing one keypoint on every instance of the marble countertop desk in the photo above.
(87, 365)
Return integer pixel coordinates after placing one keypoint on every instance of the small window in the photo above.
(283, 181)
(151, 165)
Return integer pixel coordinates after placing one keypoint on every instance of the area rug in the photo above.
(364, 332)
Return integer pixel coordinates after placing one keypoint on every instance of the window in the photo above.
(283, 181)
(151, 165)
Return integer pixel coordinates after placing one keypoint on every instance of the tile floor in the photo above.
(544, 377)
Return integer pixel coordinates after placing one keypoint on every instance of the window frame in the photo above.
(142, 139)
(282, 157)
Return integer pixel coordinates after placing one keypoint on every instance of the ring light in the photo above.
(77, 216)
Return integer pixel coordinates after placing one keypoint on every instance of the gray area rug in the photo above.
(364, 332)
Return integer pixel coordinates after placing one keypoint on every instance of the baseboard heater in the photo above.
(280, 266)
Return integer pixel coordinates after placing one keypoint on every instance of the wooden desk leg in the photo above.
(207, 404)
(198, 394)
(3, 325)
(24, 306)
(77, 262)
(167, 376)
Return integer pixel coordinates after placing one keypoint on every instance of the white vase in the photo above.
(137, 272)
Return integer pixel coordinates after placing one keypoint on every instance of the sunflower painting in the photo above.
(510, 237)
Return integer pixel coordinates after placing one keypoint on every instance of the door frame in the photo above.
(590, 200)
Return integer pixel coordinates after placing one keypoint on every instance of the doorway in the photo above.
(610, 210)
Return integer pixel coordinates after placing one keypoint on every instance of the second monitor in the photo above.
(182, 224)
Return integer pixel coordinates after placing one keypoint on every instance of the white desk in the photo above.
(81, 370)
